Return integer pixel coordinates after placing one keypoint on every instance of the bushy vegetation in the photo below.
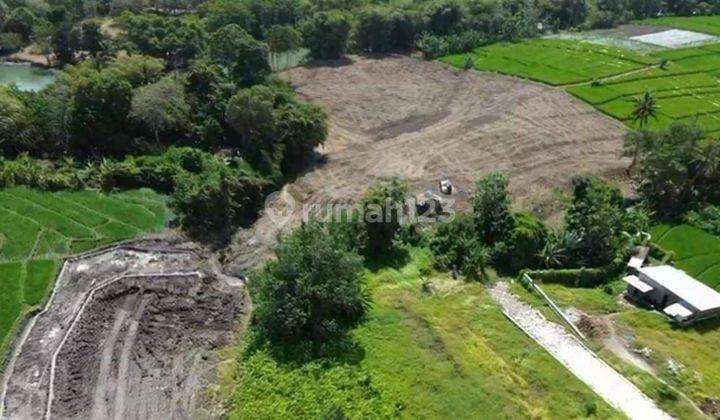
(679, 168)
(113, 121)
(313, 292)
(598, 230)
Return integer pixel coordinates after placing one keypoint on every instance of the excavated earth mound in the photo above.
(129, 333)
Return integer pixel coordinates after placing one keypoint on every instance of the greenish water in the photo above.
(25, 77)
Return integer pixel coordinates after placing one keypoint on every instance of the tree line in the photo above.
(177, 29)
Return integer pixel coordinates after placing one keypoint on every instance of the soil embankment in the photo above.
(129, 333)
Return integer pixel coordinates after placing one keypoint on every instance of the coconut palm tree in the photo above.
(646, 107)
(635, 141)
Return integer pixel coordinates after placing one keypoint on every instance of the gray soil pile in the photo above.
(129, 333)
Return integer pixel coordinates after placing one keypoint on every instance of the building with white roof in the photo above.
(674, 292)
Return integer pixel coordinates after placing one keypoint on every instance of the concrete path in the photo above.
(583, 363)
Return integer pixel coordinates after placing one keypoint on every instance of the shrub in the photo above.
(491, 208)
(705, 217)
(432, 46)
(579, 277)
(213, 202)
(522, 247)
(457, 248)
(382, 208)
(10, 43)
(313, 291)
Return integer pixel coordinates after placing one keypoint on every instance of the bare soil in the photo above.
(399, 116)
(130, 333)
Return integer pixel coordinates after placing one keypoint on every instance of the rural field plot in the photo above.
(687, 89)
(706, 24)
(38, 229)
(554, 61)
(446, 353)
(696, 251)
(420, 121)
(685, 81)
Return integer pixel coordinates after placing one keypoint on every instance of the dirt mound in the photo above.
(128, 333)
(420, 120)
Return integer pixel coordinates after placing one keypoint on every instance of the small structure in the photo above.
(428, 204)
(638, 257)
(674, 292)
(446, 186)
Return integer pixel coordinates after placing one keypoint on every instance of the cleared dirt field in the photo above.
(420, 120)
(129, 333)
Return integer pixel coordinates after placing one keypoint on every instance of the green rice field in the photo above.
(696, 251)
(706, 24)
(39, 229)
(686, 87)
(554, 61)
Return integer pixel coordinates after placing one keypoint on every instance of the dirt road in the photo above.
(419, 120)
(598, 375)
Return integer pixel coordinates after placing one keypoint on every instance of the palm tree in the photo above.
(645, 108)
(552, 254)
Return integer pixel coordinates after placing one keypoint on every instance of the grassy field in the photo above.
(696, 377)
(38, 229)
(696, 251)
(448, 354)
(686, 88)
(707, 24)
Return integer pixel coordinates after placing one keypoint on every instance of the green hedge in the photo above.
(578, 277)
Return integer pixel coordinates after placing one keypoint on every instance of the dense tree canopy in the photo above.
(596, 216)
(314, 289)
(245, 58)
(382, 208)
(679, 167)
(491, 207)
(16, 129)
(326, 34)
(161, 106)
(98, 113)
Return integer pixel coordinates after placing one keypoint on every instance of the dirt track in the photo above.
(419, 120)
(129, 333)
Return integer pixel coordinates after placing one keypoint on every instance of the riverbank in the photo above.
(26, 56)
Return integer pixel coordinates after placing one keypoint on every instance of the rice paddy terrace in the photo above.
(684, 81)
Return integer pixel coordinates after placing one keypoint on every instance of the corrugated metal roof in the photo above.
(635, 282)
(680, 284)
(677, 310)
